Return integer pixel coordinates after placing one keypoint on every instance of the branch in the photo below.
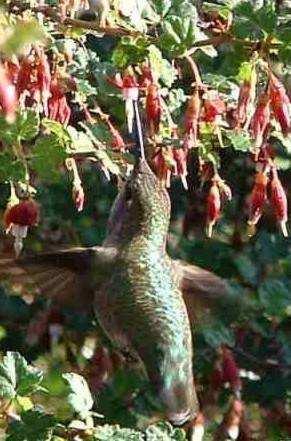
(227, 38)
(52, 13)
(269, 364)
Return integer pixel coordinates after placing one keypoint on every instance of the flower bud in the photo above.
(260, 121)
(191, 119)
(153, 108)
(214, 107)
(280, 103)
(279, 202)
(258, 198)
(213, 207)
(180, 157)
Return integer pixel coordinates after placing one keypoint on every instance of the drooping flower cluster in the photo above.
(265, 181)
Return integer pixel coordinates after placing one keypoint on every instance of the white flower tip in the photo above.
(184, 182)
(284, 228)
(198, 433)
(233, 431)
(209, 229)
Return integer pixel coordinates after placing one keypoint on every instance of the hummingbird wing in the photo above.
(203, 291)
(65, 276)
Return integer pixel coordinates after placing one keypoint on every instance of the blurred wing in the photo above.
(64, 276)
(204, 292)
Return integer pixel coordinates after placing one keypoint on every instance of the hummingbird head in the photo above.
(147, 190)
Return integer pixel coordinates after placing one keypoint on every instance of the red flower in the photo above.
(118, 142)
(163, 164)
(26, 74)
(25, 213)
(230, 369)
(279, 201)
(192, 118)
(280, 103)
(213, 107)
(58, 107)
(146, 77)
(17, 219)
(260, 120)
(8, 98)
(213, 207)
(43, 79)
(129, 87)
(180, 157)
(78, 196)
(258, 198)
(153, 108)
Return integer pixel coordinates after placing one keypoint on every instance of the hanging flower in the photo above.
(224, 189)
(213, 107)
(180, 158)
(213, 207)
(163, 164)
(233, 418)
(246, 99)
(153, 108)
(129, 87)
(198, 428)
(26, 75)
(279, 201)
(258, 198)
(260, 121)
(78, 194)
(191, 120)
(230, 369)
(8, 97)
(43, 79)
(58, 108)
(117, 140)
(146, 77)
(18, 218)
(280, 103)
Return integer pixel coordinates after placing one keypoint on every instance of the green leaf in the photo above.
(17, 377)
(57, 129)
(11, 168)
(162, 6)
(216, 334)
(25, 128)
(48, 156)
(80, 142)
(34, 426)
(162, 68)
(240, 140)
(130, 50)
(163, 431)
(275, 297)
(79, 397)
(116, 433)
(27, 125)
(22, 34)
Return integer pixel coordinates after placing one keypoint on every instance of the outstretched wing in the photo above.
(68, 277)
(203, 291)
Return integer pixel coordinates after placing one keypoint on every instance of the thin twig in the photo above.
(227, 38)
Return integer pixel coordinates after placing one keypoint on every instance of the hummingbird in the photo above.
(143, 299)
